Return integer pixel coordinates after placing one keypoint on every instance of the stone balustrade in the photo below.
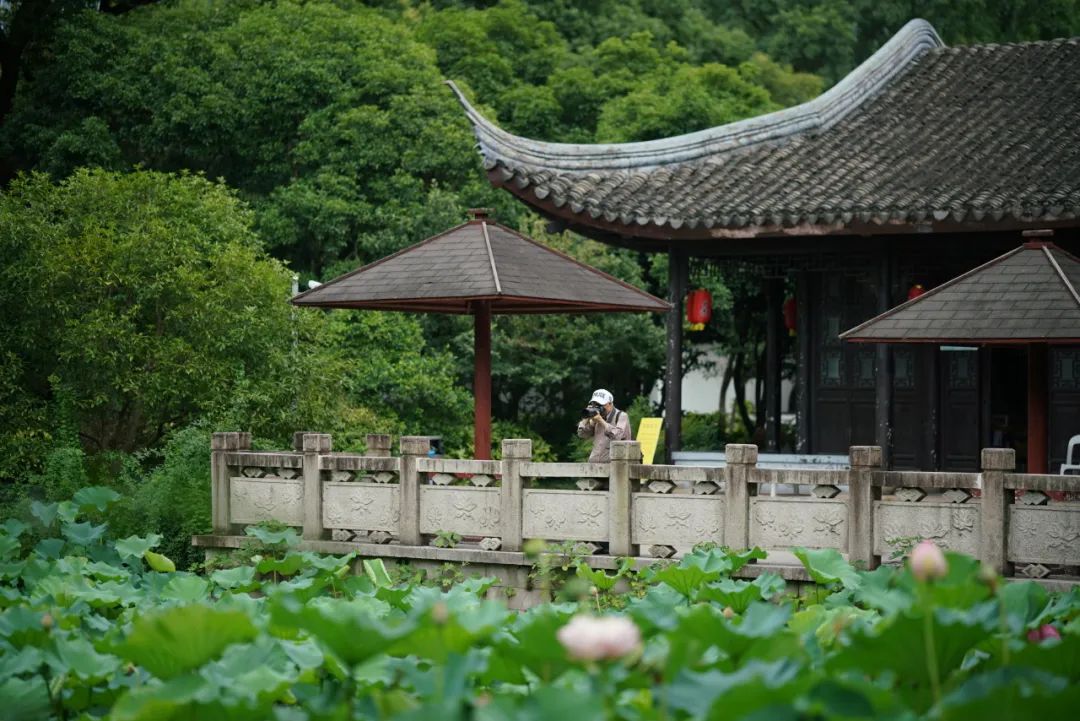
(626, 508)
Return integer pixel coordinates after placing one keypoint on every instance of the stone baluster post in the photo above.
(861, 496)
(515, 451)
(994, 510)
(412, 448)
(740, 458)
(313, 446)
(378, 445)
(220, 493)
(620, 495)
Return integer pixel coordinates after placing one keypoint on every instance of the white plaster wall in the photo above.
(701, 388)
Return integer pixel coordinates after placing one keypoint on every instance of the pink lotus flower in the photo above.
(1040, 634)
(587, 638)
(928, 562)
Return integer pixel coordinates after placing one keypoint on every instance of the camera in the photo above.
(591, 410)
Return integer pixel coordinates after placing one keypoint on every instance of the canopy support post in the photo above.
(482, 380)
(677, 272)
(1036, 421)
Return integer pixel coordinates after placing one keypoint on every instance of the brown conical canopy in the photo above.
(480, 261)
(480, 268)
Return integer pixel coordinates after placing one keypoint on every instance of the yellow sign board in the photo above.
(648, 435)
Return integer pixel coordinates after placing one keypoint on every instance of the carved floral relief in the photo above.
(676, 520)
(784, 523)
(253, 500)
(361, 506)
(951, 526)
(565, 515)
(468, 511)
(1047, 534)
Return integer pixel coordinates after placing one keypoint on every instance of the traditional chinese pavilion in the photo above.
(923, 163)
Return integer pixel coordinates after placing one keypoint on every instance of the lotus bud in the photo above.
(47, 621)
(1042, 633)
(928, 562)
(587, 638)
(440, 613)
(729, 612)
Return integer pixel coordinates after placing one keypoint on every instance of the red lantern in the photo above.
(698, 308)
(915, 292)
(789, 315)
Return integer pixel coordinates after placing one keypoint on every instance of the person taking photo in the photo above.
(604, 423)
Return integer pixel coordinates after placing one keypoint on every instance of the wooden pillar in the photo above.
(933, 405)
(1036, 421)
(482, 380)
(673, 372)
(805, 375)
(885, 368)
(774, 325)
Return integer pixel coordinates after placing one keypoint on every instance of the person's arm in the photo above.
(585, 428)
(620, 430)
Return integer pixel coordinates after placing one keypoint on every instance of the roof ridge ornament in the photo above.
(892, 59)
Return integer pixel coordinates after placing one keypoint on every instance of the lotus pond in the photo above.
(93, 627)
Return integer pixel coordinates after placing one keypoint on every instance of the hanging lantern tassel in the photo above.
(698, 308)
(790, 316)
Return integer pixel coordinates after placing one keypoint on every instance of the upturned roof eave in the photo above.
(892, 59)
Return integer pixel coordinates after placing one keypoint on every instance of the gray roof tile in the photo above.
(1044, 305)
(449, 271)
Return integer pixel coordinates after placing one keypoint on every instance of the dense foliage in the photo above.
(180, 158)
(92, 627)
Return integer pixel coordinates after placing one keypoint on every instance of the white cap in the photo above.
(602, 397)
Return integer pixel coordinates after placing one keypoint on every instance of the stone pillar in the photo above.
(412, 448)
(378, 445)
(740, 457)
(994, 509)
(515, 451)
(220, 445)
(313, 446)
(862, 493)
(620, 495)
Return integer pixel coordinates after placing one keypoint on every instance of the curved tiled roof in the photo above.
(917, 135)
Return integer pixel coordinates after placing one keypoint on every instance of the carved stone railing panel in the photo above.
(950, 525)
(360, 506)
(254, 500)
(1045, 534)
(248, 459)
(676, 520)
(558, 515)
(782, 523)
(461, 509)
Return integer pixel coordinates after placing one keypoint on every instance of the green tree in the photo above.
(139, 302)
(332, 121)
